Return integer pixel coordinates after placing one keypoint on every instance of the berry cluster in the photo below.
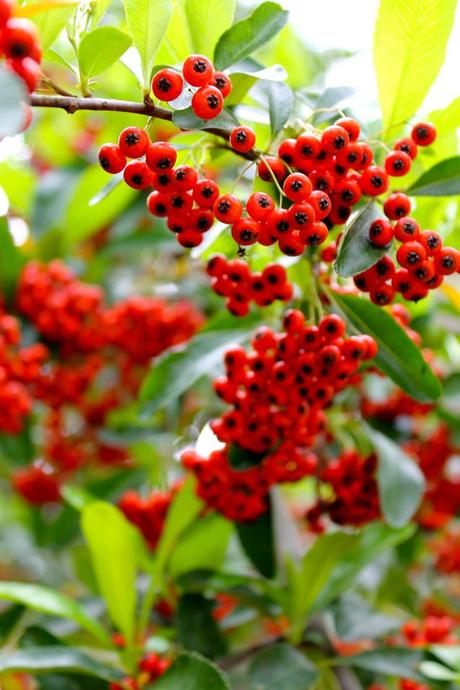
(19, 44)
(148, 514)
(447, 552)
(278, 393)
(150, 668)
(235, 281)
(208, 87)
(100, 355)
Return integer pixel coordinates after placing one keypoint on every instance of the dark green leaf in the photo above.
(14, 97)
(398, 357)
(400, 480)
(54, 191)
(192, 672)
(256, 538)
(241, 459)
(281, 667)
(178, 371)
(48, 659)
(388, 661)
(443, 179)
(372, 541)
(11, 261)
(197, 628)
(244, 37)
(186, 119)
(280, 104)
(356, 253)
(100, 48)
(53, 603)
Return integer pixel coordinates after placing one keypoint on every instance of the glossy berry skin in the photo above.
(222, 82)
(411, 254)
(167, 85)
(407, 146)
(245, 231)
(447, 261)
(184, 178)
(197, 70)
(334, 139)
(189, 238)
(380, 233)
(20, 39)
(29, 71)
(301, 215)
(432, 242)
(276, 165)
(397, 206)
(286, 151)
(374, 181)
(307, 148)
(259, 205)
(351, 126)
(160, 156)
(242, 139)
(382, 295)
(137, 175)
(207, 102)
(158, 204)
(397, 163)
(406, 229)
(321, 204)
(205, 193)
(228, 208)
(111, 159)
(297, 187)
(423, 133)
(6, 10)
(133, 142)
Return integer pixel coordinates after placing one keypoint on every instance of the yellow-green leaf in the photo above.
(409, 49)
(208, 21)
(100, 48)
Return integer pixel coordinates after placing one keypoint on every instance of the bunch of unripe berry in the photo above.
(234, 280)
(209, 86)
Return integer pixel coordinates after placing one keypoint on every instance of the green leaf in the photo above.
(50, 23)
(191, 672)
(11, 262)
(438, 672)
(178, 371)
(207, 22)
(401, 482)
(388, 661)
(280, 104)
(147, 22)
(305, 583)
(52, 196)
(114, 546)
(100, 48)
(355, 619)
(186, 119)
(257, 539)
(373, 540)
(281, 666)
(449, 654)
(409, 48)
(398, 357)
(196, 627)
(443, 179)
(356, 253)
(14, 97)
(57, 659)
(202, 546)
(52, 603)
(244, 79)
(244, 37)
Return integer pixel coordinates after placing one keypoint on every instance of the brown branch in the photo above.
(73, 103)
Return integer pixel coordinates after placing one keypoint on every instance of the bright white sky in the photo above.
(349, 24)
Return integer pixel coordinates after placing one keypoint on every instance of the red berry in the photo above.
(167, 85)
(207, 102)
(237, 308)
(20, 39)
(222, 82)
(423, 133)
(431, 241)
(334, 139)
(411, 254)
(216, 265)
(163, 181)
(291, 245)
(137, 175)
(397, 163)
(228, 208)
(6, 10)
(447, 261)
(331, 327)
(307, 148)
(406, 229)
(297, 187)
(397, 206)
(382, 294)
(29, 71)
(425, 271)
(286, 151)
(197, 70)
(321, 204)
(301, 215)
(201, 219)
(279, 222)
(374, 181)
(185, 178)
(205, 193)
(380, 233)
(158, 204)
(367, 156)
(348, 191)
(133, 142)
(275, 275)
(407, 146)
(383, 270)
(276, 165)
(242, 139)
(245, 231)
(351, 126)
(189, 238)
(259, 205)
(351, 157)
(180, 202)
(111, 159)
(315, 235)
(160, 156)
